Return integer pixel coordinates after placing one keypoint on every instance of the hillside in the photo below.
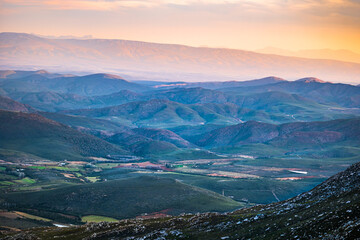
(139, 144)
(163, 61)
(162, 135)
(88, 85)
(11, 105)
(243, 133)
(280, 106)
(159, 113)
(55, 101)
(51, 101)
(34, 134)
(96, 84)
(315, 89)
(85, 124)
(125, 198)
(142, 141)
(299, 134)
(330, 210)
(190, 95)
(164, 113)
(154, 113)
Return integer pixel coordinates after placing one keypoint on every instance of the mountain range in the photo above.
(311, 88)
(154, 61)
(341, 55)
(253, 142)
(89, 85)
(51, 92)
(140, 118)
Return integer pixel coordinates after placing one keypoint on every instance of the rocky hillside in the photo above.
(329, 211)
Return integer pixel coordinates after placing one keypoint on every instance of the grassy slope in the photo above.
(316, 136)
(259, 191)
(125, 198)
(34, 134)
(95, 218)
(11, 105)
(77, 121)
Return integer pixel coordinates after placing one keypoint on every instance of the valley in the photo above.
(77, 153)
(310, 214)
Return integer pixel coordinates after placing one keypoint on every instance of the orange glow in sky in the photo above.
(241, 24)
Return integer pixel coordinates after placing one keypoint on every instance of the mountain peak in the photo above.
(18, 36)
(44, 72)
(310, 80)
(273, 78)
(105, 75)
(5, 73)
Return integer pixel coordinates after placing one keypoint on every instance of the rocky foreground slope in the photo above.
(329, 211)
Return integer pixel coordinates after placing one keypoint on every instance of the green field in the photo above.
(26, 181)
(30, 216)
(94, 218)
(125, 198)
(92, 179)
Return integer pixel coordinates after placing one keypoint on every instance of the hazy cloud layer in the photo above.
(340, 11)
(342, 7)
(252, 24)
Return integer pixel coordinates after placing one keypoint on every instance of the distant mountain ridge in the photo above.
(88, 85)
(54, 101)
(341, 55)
(12, 74)
(163, 61)
(270, 99)
(311, 88)
(218, 85)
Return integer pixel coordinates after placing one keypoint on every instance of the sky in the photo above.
(239, 24)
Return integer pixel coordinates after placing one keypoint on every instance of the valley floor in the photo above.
(329, 211)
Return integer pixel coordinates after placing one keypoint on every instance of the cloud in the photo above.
(295, 5)
(317, 11)
(97, 5)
